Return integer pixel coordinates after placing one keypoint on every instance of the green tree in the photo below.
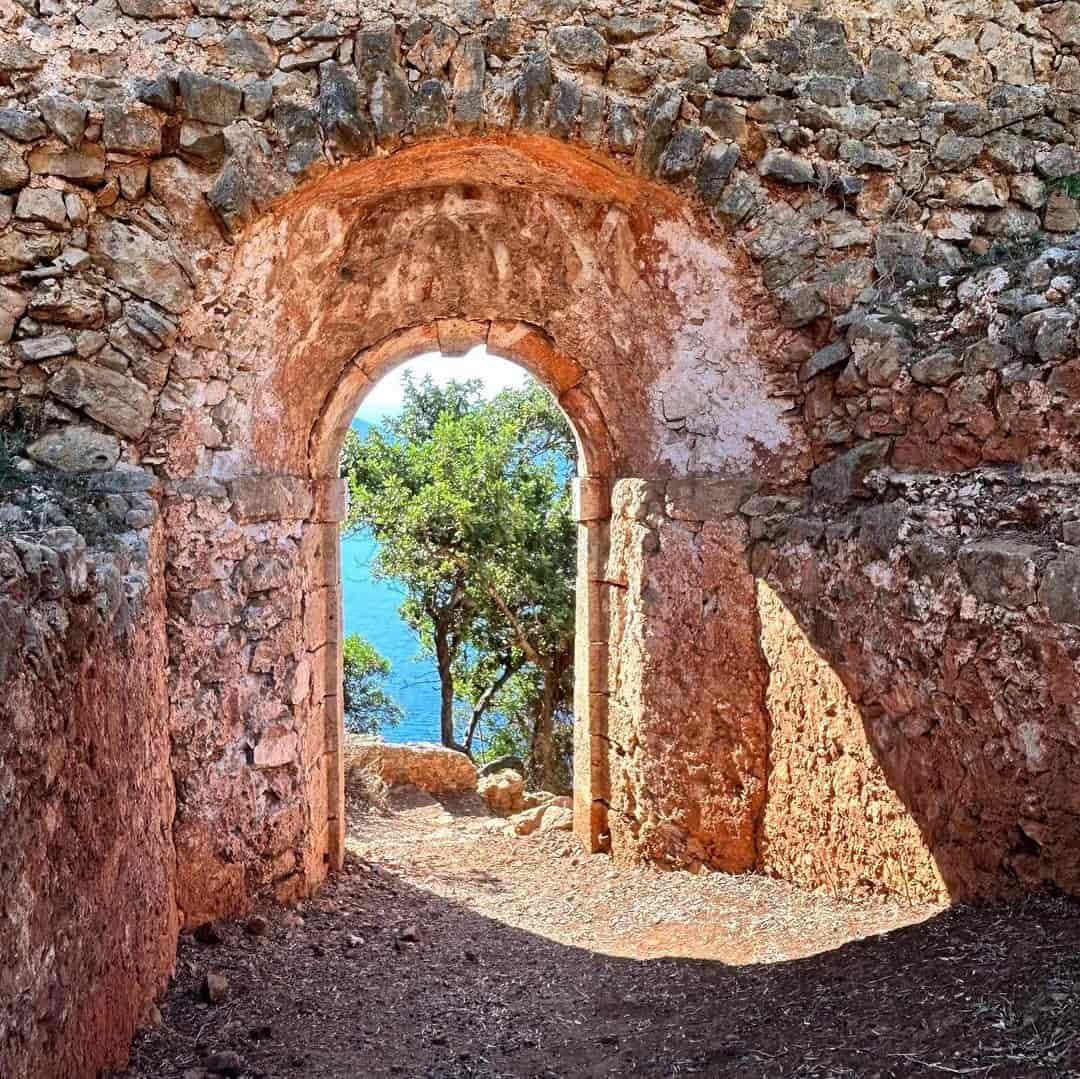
(470, 504)
(368, 706)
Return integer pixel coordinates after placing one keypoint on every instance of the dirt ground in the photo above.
(450, 949)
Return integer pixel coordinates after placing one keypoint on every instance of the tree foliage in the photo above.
(470, 503)
(369, 708)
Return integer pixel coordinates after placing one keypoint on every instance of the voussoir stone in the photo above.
(270, 497)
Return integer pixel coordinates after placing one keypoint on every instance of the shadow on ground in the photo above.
(344, 992)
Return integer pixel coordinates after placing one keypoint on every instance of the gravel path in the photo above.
(450, 949)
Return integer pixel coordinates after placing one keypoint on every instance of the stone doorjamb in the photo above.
(565, 378)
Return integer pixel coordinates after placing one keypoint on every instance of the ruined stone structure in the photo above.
(801, 277)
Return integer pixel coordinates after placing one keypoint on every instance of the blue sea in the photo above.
(370, 607)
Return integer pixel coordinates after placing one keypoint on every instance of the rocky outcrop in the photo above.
(424, 765)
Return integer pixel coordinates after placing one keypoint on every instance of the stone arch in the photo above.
(912, 507)
(530, 348)
(626, 303)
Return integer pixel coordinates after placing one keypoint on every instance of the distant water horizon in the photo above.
(370, 608)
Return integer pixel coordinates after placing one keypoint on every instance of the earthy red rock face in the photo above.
(831, 821)
(87, 914)
(949, 616)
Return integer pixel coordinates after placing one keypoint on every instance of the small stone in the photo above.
(208, 933)
(579, 46)
(215, 987)
(784, 166)
(12, 306)
(214, 101)
(844, 477)
(938, 368)
(76, 448)
(429, 112)
(159, 92)
(659, 123)
(36, 349)
(714, 171)
(1060, 588)
(249, 52)
(18, 57)
(1058, 163)
(21, 125)
(1000, 571)
(20, 250)
(227, 1063)
(1061, 214)
(141, 264)
(135, 129)
(116, 400)
(14, 172)
(85, 166)
(955, 152)
(256, 925)
(682, 153)
(984, 195)
(65, 117)
(202, 142)
(42, 204)
(737, 82)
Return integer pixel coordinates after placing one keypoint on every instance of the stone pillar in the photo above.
(591, 788)
(323, 636)
(687, 727)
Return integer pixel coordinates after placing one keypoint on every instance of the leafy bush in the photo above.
(368, 706)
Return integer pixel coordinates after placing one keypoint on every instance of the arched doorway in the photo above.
(562, 376)
(632, 309)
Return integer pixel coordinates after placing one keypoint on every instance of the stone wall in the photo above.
(87, 913)
(831, 821)
(949, 610)
(687, 725)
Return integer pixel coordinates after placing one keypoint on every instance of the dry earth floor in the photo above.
(450, 949)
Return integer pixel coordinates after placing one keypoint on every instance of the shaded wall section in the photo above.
(950, 609)
(831, 820)
(87, 915)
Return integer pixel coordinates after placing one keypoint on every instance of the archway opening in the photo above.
(556, 448)
(458, 571)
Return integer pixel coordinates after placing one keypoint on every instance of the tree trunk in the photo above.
(482, 705)
(542, 732)
(444, 660)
